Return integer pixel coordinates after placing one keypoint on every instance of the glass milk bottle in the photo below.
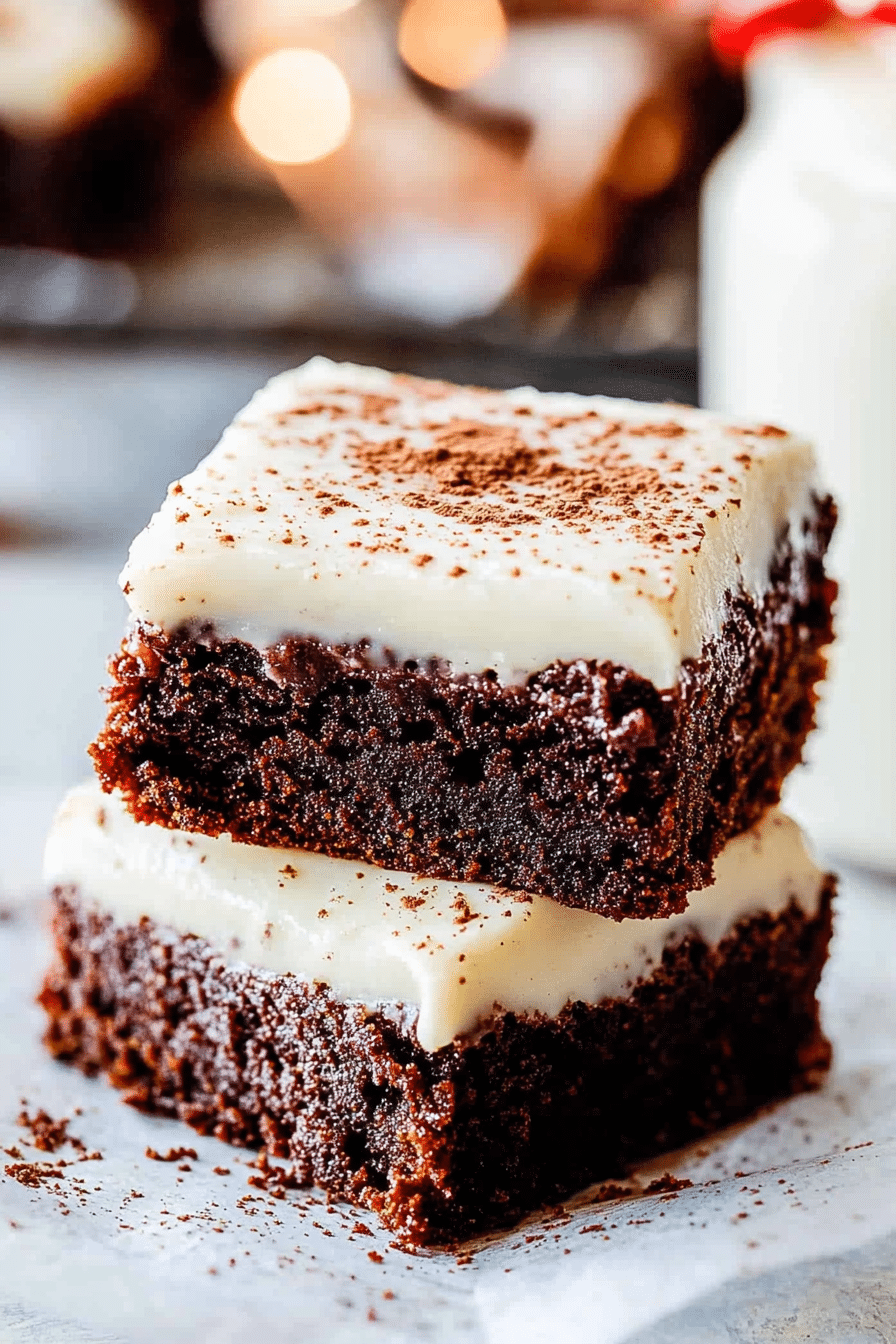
(799, 327)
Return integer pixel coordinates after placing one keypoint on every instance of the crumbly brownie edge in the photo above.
(525, 1112)
(587, 784)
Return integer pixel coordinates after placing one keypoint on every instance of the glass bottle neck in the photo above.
(835, 90)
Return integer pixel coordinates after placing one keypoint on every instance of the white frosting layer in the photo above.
(280, 532)
(453, 950)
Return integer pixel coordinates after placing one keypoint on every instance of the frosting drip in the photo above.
(451, 950)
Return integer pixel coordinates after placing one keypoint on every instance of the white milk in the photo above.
(799, 327)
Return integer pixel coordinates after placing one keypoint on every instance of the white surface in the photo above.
(450, 950)
(280, 531)
(116, 1266)
(799, 219)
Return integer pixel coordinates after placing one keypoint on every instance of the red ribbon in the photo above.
(735, 36)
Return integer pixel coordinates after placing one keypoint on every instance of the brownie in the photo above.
(525, 1110)
(586, 783)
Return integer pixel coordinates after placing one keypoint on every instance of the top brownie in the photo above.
(557, 642)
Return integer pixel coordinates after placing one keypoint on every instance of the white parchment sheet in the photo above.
(126, 1248)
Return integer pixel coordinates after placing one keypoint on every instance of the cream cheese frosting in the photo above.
(494, 530)
(451, 950)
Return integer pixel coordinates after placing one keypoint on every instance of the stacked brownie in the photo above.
(435, 844)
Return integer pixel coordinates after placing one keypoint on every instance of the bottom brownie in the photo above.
(442, 1145)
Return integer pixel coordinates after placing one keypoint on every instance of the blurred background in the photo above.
(524, 172)
(197, 193)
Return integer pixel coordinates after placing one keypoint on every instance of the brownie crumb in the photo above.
(464, 913)
(172, 1155)
(273, 1179)
(667, 1184)
(611, 1191)
(48, 1134)
(33, 1174)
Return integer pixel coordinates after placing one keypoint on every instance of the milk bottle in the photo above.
(798, 239)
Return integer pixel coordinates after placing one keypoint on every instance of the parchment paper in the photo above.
(126, 1248)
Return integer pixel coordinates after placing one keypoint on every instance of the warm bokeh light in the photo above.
(289, 11)
(239, 31)
(294, 106)
(60, 63)
(452, 42)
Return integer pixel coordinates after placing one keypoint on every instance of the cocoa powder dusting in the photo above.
(463, 457)
(488, 475)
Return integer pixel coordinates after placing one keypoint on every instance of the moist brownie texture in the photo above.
(434, 843)
(586, 783)
(561, 643)
(441, 1145)
(449, 1055)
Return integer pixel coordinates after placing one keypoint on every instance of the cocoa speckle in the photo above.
(483, 473)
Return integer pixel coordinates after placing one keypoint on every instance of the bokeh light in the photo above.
(60, 63)
(294, 106)
(452, 42)
(240, 31)
(289, 11)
